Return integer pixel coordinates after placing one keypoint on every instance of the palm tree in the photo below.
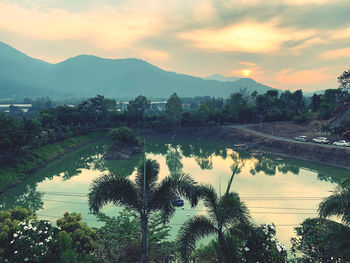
(338, 204)
(224, 212)
(122, 191)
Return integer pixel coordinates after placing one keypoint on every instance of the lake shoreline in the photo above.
(23, 175)
(256, 144)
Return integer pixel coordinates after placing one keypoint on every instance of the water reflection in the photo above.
(207, 162)
(173, 160)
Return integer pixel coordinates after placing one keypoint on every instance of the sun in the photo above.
(246, 72)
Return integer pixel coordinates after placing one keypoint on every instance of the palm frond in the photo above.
(152, 171)
(210, 199)
(162, 196)
(232, 211)
(187, 187)
(113, 188)
(337, 204)
(193, 230)
(167, 190)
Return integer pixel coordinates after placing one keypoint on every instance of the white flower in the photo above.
(11, 241)
(15, 235)
(16, 252)
(26, 259)
(246, 249)
(40, 232)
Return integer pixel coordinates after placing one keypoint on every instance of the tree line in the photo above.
(42, 124)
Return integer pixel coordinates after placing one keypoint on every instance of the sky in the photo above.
(286, 44)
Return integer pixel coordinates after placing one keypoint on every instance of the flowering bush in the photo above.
(34, 241)
(9, 220)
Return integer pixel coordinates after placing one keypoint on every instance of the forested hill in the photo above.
(86, 76)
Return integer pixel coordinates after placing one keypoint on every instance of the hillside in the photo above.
(86, 76)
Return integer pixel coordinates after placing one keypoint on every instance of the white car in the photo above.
(301, 138)
(322, 140)
(342, 143)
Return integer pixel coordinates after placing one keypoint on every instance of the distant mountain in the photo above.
(221, 78)
(87, 76)
(310, 94)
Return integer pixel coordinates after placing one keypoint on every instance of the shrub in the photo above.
(123, 134)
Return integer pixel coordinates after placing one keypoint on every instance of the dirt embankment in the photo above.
(338, 157)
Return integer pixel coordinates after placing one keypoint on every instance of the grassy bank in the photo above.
(39, 157)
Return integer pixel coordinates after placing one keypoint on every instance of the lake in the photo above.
(281, 191)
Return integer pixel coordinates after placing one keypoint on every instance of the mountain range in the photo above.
(87, 75)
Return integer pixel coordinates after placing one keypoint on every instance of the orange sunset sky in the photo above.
(286, 44)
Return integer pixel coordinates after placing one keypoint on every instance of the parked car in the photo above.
(322, 140)
(178, 201)
(301, 138)
(342, 143)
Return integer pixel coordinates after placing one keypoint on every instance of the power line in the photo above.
(171, 224)
(254, 207)
(242, 197)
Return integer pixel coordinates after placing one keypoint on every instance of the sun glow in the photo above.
(246, 72)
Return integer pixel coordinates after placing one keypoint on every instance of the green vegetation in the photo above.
(238, 239)
(173, 110)
(119, 238)
(123, 135)
(24, 238)
(225, 213)
(30, 140)
(35, 159)
(122, 191)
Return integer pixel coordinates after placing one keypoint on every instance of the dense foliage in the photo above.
(24, 238)
(123, 135)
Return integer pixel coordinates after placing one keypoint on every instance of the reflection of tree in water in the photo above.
(267, 165)
(239, 159)
(270, 166)
(86, 158)
(173, 160)
(123, 167)
(26, 196)
(202, 153)
(285, 168)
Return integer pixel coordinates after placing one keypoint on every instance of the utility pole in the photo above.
(144, 258)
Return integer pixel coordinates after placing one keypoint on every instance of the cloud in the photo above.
(248, 36)
(309, 2)
(338, 53)
(204, 12)
(249, 70)
(341, 34)
(152, 54)
(247, 63)
(287, 76)
(106, 27)
(308, 43)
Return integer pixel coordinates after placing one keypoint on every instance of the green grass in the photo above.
(39, 157)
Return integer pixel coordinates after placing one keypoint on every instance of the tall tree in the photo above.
(159, 196)
(225, 213)
(315, 102)
(173, 109)
(344, 80)
(137, 107)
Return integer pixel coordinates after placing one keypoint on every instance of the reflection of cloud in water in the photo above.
(287, 178)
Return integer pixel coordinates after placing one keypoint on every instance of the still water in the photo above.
(276, 190)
